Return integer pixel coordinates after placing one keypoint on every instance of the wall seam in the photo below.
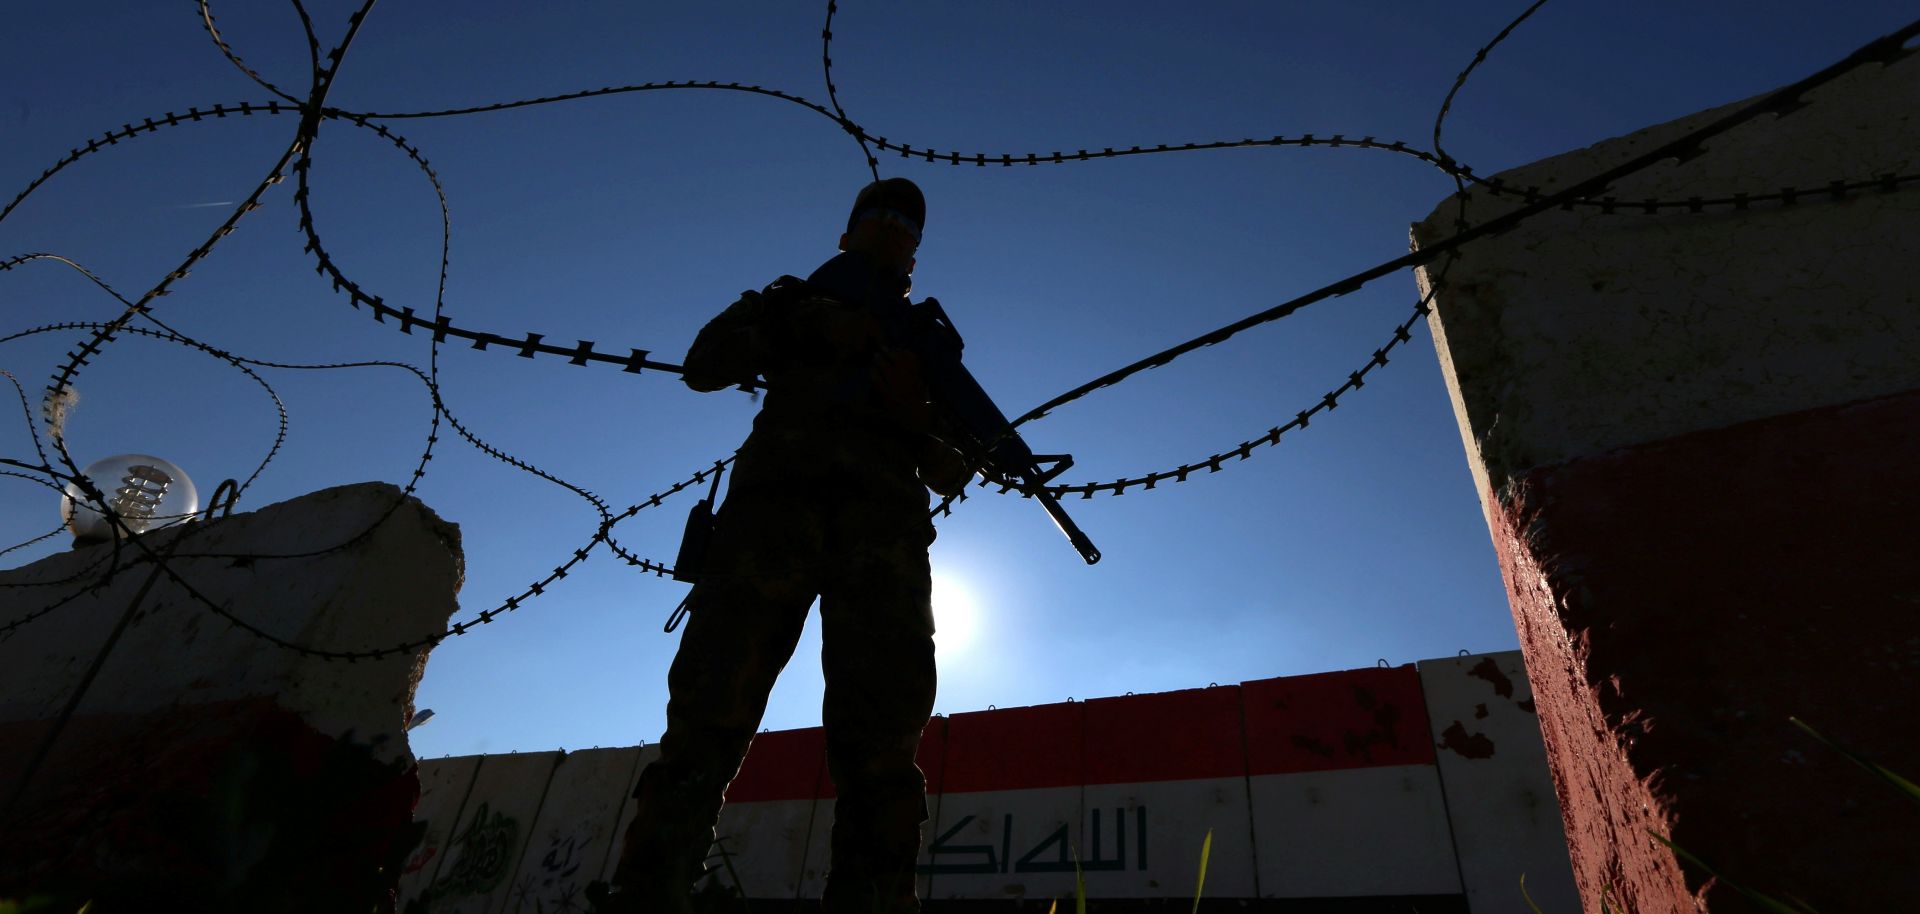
(1246, 781)
(813, 815)
(1446, 805)
(620, 810)
(453, 825)
(533, 823)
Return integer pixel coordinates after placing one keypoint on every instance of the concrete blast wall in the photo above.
(1694, 431)
(1359, 791)
(201, 759)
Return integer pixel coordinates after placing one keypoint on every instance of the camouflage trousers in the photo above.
(864, 553)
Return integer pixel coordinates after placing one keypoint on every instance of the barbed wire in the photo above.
(302, 197)
(226, 50)
(1682, 148)
(531, 344)
(171, 335)
(90, 586)
(33, 427)
(30, 477)
(1461, 174)
(279, 406)
(63, 378)
(1460, 81)
(147, 125)
(313, 110)
(536, 589)
(168, 334)
(104, 333)
(1356, 379)
(42, 537)
(833, 92)
(1213, 463)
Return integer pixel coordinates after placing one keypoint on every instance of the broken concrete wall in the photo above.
(1693, 429)
(202, 758)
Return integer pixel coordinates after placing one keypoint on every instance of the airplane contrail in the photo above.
(204, 205)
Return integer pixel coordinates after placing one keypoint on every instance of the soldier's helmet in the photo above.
(897, 194)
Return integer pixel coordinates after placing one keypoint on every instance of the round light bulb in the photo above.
(144, 491)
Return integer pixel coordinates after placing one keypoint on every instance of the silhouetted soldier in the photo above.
(829, 498)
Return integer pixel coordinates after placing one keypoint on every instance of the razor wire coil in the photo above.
(313, 110)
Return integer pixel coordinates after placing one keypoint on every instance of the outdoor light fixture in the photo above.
(420, 717)
(143, 491)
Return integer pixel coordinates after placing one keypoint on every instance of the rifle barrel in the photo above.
(1075, 535)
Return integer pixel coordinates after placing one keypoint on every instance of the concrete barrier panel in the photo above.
(444, 785)
(491, 833)
(1359, 832)
(766, 828)
(1163, 771)
(569, 843)
(1500, 798)
(1010, 805)
(1314, 787)
(626, 812)
(1346, 799)
(1693, 429)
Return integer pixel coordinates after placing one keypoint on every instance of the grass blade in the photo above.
(1079, 886)
(1529, 898)
(1901, 784)
(1762, 899)
(1206, 849)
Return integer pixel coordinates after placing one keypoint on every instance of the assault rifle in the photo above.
(985, 436)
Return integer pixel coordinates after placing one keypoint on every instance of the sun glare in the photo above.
(953, 615)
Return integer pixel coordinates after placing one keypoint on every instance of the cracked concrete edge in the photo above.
(1579, 333)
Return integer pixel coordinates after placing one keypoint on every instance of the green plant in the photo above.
(40, 904)
(1199, 883)
(1762, 899)
(1206, 850)
(1899, 783)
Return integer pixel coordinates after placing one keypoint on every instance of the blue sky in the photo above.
(632, 219)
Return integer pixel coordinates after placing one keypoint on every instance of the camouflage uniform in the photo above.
(824, 500)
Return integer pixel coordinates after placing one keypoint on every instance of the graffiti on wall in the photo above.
(428, 849)
(481, 855)
(1051, 852)
(553, 884)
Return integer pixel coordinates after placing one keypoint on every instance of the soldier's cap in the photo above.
(897, 194)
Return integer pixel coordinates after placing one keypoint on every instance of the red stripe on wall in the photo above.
(1352, 719)
(1165, 736)
(1015, 748)
(1355, 719)
(781, 765)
